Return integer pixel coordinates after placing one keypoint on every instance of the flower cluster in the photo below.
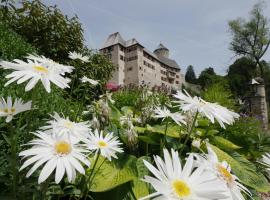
(212, 111)
(201, 178)
(9, 109)
(64, 146)
(37, 68)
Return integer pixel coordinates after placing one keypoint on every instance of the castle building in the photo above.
(136, 65)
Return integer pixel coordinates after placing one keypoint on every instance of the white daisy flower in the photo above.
(63, 69)
(212, 111)
(9, 109)
(59, 154)
(174, 182)
(89, 80)
(266, 161)
(222, 170)
(107, 145)
(166, 113)
(75, 56)
(34, 71)
(64, 126)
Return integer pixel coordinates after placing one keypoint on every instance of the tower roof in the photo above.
(161, 46)
(116, 38)
(113, 39)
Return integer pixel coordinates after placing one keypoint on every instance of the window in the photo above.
(130, 69)
(121, 57)
(133, 48)
(177, 76)
(132, 58)
(163, 78)
(142, 74)
(177, 82)
(110, 49)
(122, 49)
(140, 68)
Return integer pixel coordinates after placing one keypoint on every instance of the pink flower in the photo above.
(112, 86)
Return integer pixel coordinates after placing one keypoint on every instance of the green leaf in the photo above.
(203, 122)
(140, 188)
(127, 110)
(172, 131)
(115, 113)
(139, 129)
(224, 143)
(113, 173)
(246, 174)
(149, 139)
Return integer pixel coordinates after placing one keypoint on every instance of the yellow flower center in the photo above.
(102, 144)
(41, 69)
(6, 110)
(68, 124)
(62, 147)
(225, 173)
(12, 110)
(181, 188)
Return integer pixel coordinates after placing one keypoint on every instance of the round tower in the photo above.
(162, 51)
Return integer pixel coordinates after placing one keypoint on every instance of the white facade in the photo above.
(139, 66)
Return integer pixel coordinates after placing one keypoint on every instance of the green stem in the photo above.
(165, 134)
(189, 133)
(84, 191)
(44, 189)
(91, 181)
(13, 162)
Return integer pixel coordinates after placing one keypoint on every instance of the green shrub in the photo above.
(220, 94)
(247, 133)
(12, 45)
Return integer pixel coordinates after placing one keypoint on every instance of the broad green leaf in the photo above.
(140, 188)
(149, 140)
(203, 122)
(127, 110)
(246, 174)
(141, 168)
(115, 113)
(212, 132)
(139, 129)
(224, 143)
(172, 131)
(113, 173)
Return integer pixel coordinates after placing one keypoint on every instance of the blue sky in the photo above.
(195, 31)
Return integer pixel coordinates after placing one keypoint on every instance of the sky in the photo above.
(195, 31)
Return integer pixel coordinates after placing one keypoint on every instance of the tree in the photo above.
(251, 38)
(45, 27)
(209, 77)
(239, 74)
(190, 75)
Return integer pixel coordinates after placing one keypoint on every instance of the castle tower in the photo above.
(162, 51)
(258, 103)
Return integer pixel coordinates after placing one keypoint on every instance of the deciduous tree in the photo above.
(251, 38)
